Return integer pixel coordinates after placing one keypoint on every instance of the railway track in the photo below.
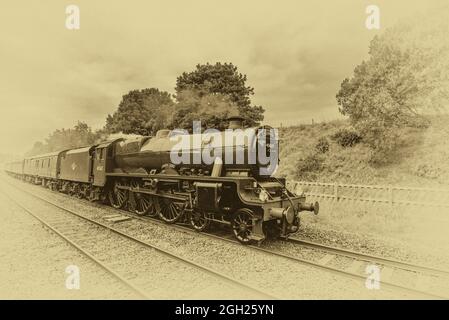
(421, 283)
(82, 233)
(391, 263)
(54, 227)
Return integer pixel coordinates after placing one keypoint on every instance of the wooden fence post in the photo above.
(336, 191)
(391, 198)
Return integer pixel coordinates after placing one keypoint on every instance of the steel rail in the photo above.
(206, 269)
(371, 258)
(307, 262)
(137, 290)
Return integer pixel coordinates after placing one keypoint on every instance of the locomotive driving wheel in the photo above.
(145, 205)
(170, 210)
(199, 220)
(117, 196)
(242, 225)
(133, 195)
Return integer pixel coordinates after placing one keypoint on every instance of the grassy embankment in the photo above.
(421, 161)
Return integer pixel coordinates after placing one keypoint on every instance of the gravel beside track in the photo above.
(153, 274)
(33, 263)
(285, 279)
(388, 247)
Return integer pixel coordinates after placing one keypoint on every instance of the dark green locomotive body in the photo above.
(224, 177)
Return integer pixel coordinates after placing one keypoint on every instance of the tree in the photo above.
(78, 136)
(211, 109)
(402, 80)
(142, 112)
(225, 80)
(38, 148)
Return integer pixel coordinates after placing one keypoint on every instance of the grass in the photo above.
(421, 161)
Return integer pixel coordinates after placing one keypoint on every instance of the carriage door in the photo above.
(99, 167)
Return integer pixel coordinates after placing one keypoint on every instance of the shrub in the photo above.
(346, 138)
(427, 171)
(308, 167)
(386, 144)
(322, 146)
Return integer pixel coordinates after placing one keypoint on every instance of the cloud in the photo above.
(295, 55)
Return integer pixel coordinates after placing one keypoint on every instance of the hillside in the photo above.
(422, 160)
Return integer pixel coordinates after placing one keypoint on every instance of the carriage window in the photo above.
(110, 152)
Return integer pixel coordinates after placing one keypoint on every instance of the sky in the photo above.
(294, 53)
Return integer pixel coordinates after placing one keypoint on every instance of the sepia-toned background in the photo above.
(295, 54)
(373, 149)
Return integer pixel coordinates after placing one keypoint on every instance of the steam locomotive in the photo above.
(181, 177)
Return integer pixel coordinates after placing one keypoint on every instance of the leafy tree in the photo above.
(78, 136)
(223, 79)
(38, 148)
(142, 112)
(404, 78)
(210, 109)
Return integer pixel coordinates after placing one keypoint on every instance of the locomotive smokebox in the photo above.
(235, 122)
(279, 213)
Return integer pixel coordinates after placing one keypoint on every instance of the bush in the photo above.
(427, 171)
(346, 138)
(308, 167)
(322, 146)
(385, 144)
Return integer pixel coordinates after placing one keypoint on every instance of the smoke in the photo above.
(114, 136)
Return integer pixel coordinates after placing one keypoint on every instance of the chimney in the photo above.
(235, 122)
